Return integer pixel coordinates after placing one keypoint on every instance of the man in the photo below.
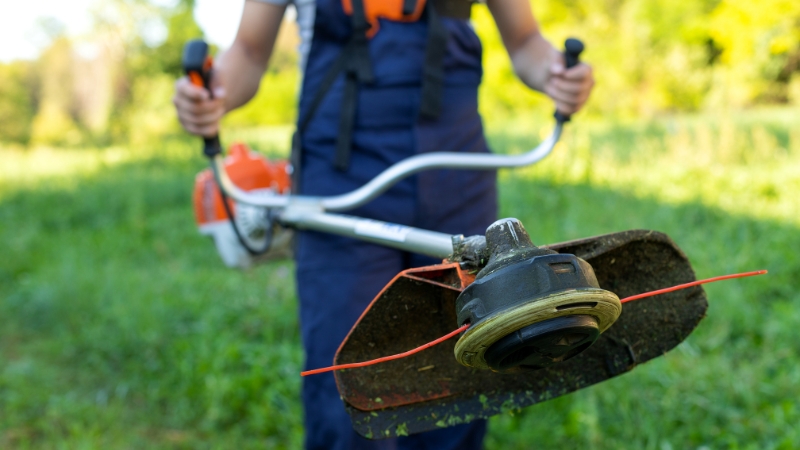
(379, 87)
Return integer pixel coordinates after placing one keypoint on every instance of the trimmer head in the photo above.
(530, 307)
(431, 389)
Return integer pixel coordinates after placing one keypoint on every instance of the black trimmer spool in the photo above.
(544, 343)
(530, 307)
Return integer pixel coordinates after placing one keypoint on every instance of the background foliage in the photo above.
(119, 328)
(652, 57)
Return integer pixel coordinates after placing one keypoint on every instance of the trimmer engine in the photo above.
(258, 236)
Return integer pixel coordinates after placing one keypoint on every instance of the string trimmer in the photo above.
(534, 322)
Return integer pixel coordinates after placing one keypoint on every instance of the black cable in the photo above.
(267, 231)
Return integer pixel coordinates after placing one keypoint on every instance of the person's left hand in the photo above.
(569, 88)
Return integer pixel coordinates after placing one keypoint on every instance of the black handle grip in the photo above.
(197, 65)
(572, 52)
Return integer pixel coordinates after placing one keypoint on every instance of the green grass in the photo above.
(119, 327)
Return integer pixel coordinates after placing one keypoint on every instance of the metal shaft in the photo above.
(416, 240)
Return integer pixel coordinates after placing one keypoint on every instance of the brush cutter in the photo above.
(542, 321)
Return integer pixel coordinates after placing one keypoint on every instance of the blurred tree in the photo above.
(181, 27)
(55, 119)
(649, 55)
(144, 42)
(146, 111)
(760, 44)
(18, 101)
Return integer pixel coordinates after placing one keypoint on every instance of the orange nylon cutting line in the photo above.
(693, 283)
(387, 358)
(460, 329)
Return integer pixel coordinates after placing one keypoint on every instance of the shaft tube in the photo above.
(416, 240)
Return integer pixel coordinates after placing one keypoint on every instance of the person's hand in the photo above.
(569, 88)
(197, 111)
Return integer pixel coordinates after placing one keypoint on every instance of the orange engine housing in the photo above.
(249, 171)
(253, 173)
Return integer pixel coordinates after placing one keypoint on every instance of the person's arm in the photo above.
(536, 62)
(237, 72)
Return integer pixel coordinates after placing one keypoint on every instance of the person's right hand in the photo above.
(197, 111)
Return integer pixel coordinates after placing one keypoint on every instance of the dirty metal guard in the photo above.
(430, 389)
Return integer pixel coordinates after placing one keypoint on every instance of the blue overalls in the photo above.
(337, 277)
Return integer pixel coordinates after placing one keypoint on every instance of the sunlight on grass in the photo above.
(21, 166)
(742, 170)
(749, 171)
(25, 168)
(28, 168)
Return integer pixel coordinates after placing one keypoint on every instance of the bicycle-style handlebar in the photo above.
(197, 65)
(389, 177)
(308, 212)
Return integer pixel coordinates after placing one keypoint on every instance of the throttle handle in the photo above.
(572, 52)
(197, 64)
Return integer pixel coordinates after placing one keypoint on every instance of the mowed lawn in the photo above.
(120, 327)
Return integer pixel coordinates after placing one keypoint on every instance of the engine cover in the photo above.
(253, 173)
